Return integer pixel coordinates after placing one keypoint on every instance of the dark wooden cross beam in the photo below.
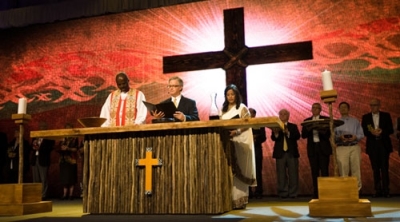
(237, 56)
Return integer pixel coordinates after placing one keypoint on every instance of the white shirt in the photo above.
(375, 118)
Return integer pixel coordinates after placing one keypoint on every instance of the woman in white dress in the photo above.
(244, 166)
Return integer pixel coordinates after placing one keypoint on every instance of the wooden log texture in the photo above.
(271, 122)
(195, 176)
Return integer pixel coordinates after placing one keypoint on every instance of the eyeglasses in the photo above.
(172, 86)
(374, 104)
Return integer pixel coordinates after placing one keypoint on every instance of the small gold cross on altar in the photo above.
(148, 163)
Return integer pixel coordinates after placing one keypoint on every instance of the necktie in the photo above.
(175, 103)
(315, 133)
(285, 147)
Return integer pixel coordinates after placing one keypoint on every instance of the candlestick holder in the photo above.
(332, 203)
(21, 119)
(329, 97)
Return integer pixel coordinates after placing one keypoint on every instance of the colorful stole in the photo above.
(129, 110)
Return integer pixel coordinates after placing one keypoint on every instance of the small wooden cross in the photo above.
(148, 163)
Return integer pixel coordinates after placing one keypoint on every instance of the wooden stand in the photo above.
(338, 196)
(20, 199)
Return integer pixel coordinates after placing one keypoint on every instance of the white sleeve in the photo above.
(141, 109)
(105, 111)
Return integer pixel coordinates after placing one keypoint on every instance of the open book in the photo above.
(167, 108)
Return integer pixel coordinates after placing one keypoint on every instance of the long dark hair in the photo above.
(238, 97)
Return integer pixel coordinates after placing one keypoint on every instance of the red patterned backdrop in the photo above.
(66, 69)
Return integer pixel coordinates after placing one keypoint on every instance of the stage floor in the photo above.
(265, 209)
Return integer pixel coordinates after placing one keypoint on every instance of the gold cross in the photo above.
(148, 163)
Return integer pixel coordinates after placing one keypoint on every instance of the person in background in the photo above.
(3, 156)
(242, 138)
(40, 160)
(378, 127)
(68, 150)
(124, 106)
(12, 162)
(319, 148)
(398, 134)
(348, 151)
(258, 138)
(187, 109)
(81, 157)
(287, 156)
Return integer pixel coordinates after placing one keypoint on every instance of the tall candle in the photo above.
(327, 80)
(22, 105)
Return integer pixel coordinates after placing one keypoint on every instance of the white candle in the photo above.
(22, 106)
(327, 80)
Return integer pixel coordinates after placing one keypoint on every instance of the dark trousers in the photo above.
(287, 172)
(319, 164)
(259, 158)
(39, 175)
(12, 175)
(379, 159)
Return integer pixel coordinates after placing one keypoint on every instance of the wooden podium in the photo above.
(163, 168)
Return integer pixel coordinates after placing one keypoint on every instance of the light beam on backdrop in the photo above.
(206, 34)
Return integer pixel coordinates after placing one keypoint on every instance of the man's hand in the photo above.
(276, 130)
(35, 145)
(348, 138)
(376, 132)
(157, 115)
(179, 115)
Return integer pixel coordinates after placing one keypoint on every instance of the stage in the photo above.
(266, 209)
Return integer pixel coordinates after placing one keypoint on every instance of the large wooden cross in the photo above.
(236, 56)
(148, 163)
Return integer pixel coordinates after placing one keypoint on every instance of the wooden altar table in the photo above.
(195, 176)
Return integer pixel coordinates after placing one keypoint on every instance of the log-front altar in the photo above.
(194, 177)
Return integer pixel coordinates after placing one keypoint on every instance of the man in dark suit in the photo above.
(378, 126)
(40, 160)
(398, 133)
(187, 110)
(319, 148)
(286, 154)
(3, 156)
(12, 162)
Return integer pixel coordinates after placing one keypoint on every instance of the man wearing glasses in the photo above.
(378, 126)
(348, 151)
(187, 110)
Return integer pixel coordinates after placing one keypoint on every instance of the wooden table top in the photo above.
(269, 122)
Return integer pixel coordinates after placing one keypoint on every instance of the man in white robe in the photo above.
(124, 106)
